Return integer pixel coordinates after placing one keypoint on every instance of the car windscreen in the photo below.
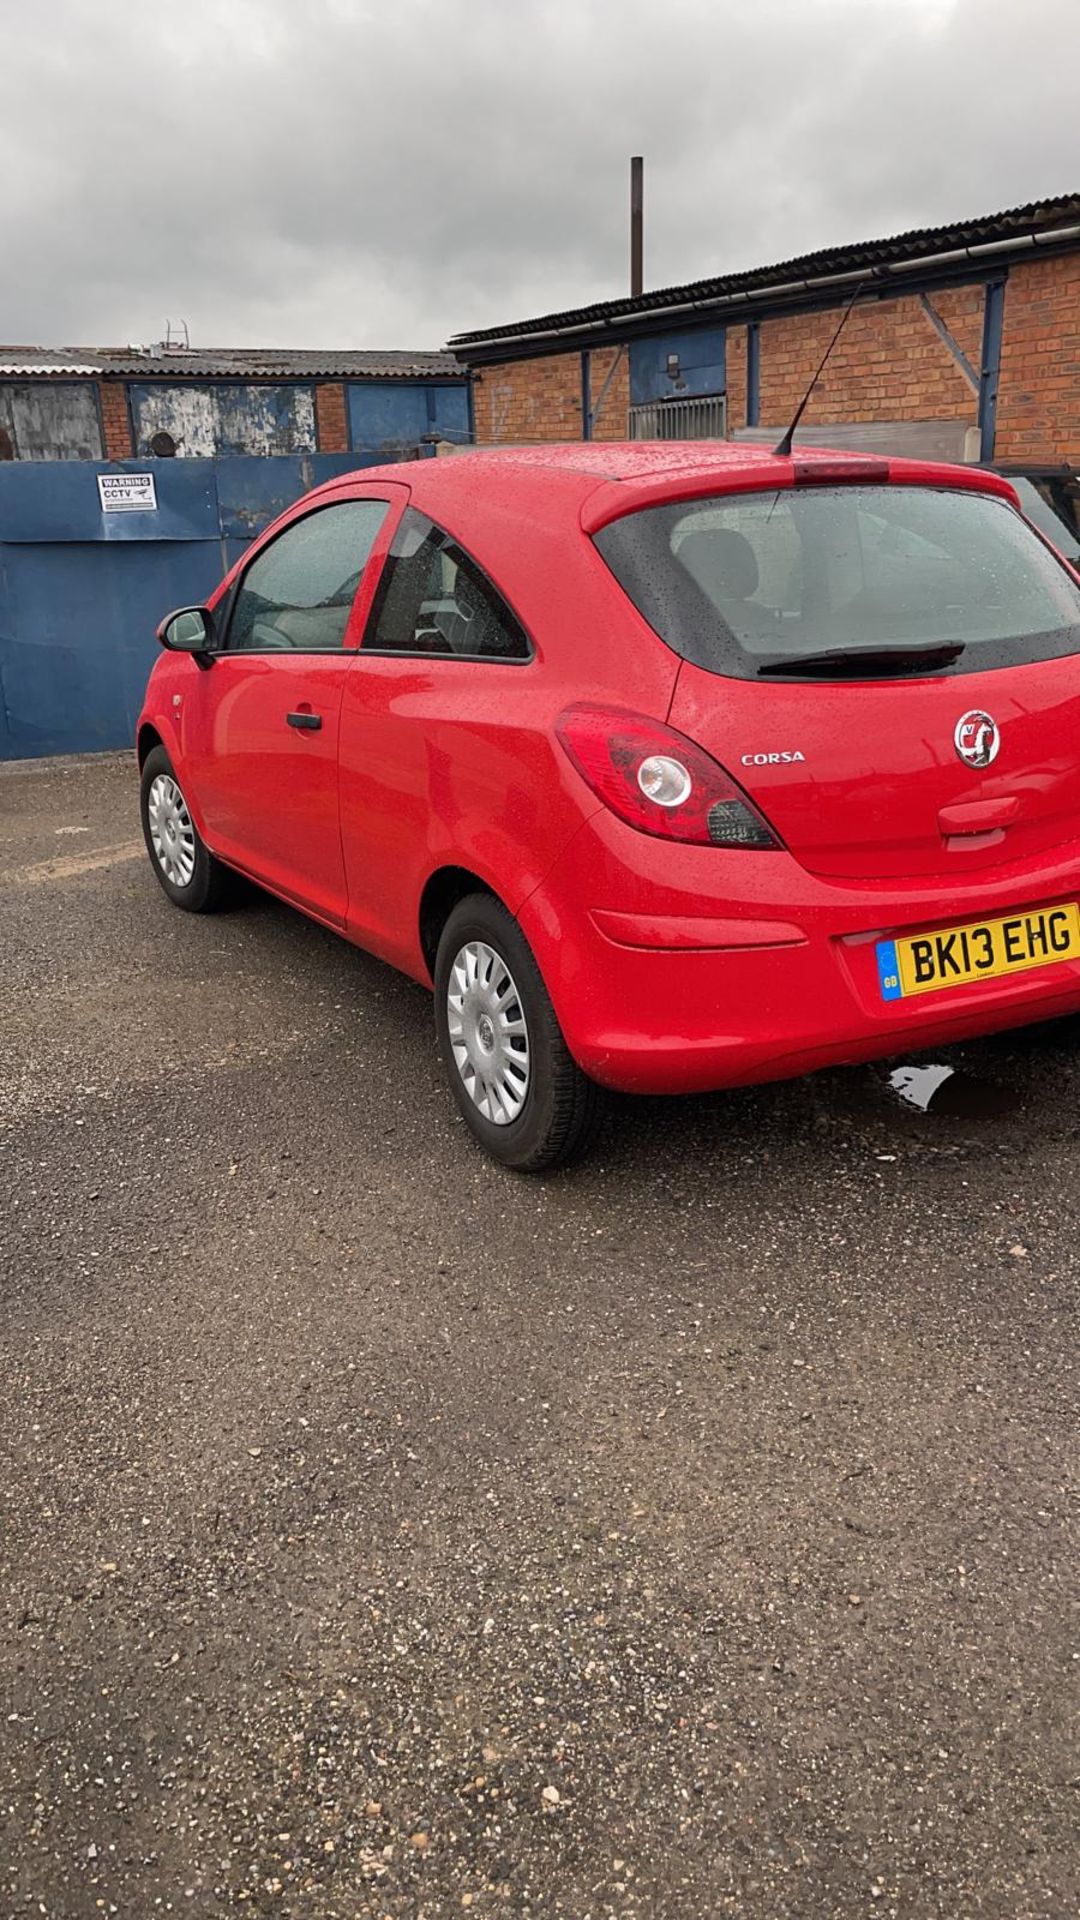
(752, 583)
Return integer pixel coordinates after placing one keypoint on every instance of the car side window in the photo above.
(433, 598)
(298, 592)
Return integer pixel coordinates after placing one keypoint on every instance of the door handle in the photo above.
(312, 721)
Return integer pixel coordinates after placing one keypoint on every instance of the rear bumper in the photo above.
(664, 984)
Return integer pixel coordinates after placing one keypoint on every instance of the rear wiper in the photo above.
(867, 663)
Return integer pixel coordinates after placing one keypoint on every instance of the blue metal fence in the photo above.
(81, 591)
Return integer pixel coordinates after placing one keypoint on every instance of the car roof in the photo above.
(596, 481)
(590, 460)
(626, 459)
(597, 461)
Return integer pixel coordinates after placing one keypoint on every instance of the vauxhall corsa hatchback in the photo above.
(668, 767)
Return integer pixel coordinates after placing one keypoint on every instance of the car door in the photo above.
(260, 726)
(434, 743)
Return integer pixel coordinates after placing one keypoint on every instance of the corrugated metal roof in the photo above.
(874, 257)
(22, 367)
(228, 363)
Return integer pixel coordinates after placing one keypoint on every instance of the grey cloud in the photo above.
(338, 173)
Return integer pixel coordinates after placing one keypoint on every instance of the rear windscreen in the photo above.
(743, 583)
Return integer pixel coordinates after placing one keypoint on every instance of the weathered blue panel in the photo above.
(50, 420)
(80, 596)
(224, 417)
(361, 457)
(394, 418)
(8, 749)
(452, 413)
(701, 357)
(59, 500)
(77, 636)
(252, 492)
(232, 551)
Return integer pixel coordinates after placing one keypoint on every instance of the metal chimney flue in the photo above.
(637, 225)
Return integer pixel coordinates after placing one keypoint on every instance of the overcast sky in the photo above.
(341, 173)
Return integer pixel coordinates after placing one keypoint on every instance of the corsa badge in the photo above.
(977, 739)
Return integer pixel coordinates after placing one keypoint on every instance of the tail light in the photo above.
(658, 781)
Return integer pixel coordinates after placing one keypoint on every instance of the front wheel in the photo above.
(510, 1071)
(184, 865)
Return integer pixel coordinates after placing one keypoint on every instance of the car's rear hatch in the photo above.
(892, 671)
(865, 780)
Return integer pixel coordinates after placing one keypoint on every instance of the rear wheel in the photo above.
(184, 865)
(510, 1071)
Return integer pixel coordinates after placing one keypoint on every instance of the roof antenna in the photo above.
(783, 445)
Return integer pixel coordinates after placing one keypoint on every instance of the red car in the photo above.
(669, 767)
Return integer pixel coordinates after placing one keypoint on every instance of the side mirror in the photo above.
(189, 630)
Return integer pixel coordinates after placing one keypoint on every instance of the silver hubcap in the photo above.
(171, 832)
(488, 1033)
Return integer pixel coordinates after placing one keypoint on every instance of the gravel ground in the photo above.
(382, 1534)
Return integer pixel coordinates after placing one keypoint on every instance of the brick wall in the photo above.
(610, 421)
(115, 420)
(1038, 410)
(331, 417)
(530, 400)
(888, 364)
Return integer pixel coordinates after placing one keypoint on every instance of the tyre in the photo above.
(510, 1071)
(184, 865)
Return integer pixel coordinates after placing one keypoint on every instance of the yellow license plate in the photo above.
(984, 949)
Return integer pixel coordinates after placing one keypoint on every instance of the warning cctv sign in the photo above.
(127, 493)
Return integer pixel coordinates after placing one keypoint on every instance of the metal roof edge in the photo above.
(20, 371)
(26, 363)
(975, 243)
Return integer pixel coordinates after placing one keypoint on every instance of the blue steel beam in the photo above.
(990, 371)
(753, 374)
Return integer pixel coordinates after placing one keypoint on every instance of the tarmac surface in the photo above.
(384, 1534)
